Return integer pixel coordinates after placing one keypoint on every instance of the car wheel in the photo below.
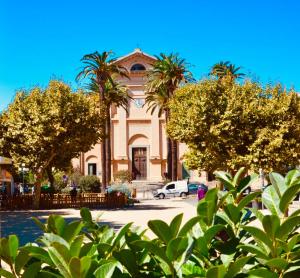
(161, 196)
(183, 195)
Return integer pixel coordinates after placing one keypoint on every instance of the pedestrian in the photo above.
(202, 189)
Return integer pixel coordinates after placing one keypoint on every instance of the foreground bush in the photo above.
(220, 242)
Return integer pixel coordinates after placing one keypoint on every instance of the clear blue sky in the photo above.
(40, 40)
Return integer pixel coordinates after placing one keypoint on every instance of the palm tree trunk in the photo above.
(108, 146)
(174, 160)
(169, 157)
(103, 165)
(103, 143)
(169, 148)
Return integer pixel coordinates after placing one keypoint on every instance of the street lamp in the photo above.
(23, 169)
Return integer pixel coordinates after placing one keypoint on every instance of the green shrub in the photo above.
(220, 241)
(123, 176)
(59, 182)
(89, 184)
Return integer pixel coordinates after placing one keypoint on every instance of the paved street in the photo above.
(20, 222)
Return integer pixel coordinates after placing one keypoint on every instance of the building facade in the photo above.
(138, 138)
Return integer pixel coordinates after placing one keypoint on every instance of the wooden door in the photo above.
(139, 163)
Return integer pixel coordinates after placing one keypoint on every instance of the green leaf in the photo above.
(236, 266)
(79, 267)
(233, 213)
(189, 226)
(155, 249)
(161, 229)
(293, 241)
(6, 274)
(277, 263)
(86, 215)
(258, 214)
(292, 177)
(21, 259)
(295, 213)
(127, 258)
(106, 270)
(75, 246)
(247, 199)
(207, 207)
(246, 182)
(271, 224)
(175, 224)
(176, 247)
(225, 178)
(41, 225)
(259, 235)
(255, 250)
(238, 175)
(56, 224)
(121, 234)
(49, 238)
(38, 253)
(212, 231)
(189, 269)
(288, 196)
(271, 200)
(278, 183)
(262, 273)
(32, 270)
(289, 225)
(13, 245)
(60, 256)
(216, 272)
(72, 230)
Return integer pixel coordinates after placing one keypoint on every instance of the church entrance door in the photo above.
(139, 163)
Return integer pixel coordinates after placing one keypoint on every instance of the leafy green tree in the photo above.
(228, 125)
(101, 68)
(166, 75)
(222, 69)
(49, 127)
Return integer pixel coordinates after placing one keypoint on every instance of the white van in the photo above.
(172, 189)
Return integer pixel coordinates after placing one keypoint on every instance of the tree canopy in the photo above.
(227, 125)
(49, 127)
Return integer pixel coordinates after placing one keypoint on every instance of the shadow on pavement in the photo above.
(21, 223)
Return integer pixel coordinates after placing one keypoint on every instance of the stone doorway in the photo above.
(139, 163)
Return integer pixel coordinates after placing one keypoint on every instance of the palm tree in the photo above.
(222, 69)
(115, 94)
(101, 68)
(167, 74)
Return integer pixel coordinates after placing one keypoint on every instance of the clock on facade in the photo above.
(139, 102)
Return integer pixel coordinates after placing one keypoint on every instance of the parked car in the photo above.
(178, 188)
(172, 189)
(194, 186)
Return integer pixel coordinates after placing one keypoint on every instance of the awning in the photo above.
(5, 160)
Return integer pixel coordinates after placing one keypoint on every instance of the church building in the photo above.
(138, 138)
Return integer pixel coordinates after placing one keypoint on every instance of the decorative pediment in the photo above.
(136, 61)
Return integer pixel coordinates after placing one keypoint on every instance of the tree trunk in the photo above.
(37, 190)
(169, 148)
(169, 157)
(174, 160)
(50, 176)
(108, 146)
(103, 143)
(103, 165)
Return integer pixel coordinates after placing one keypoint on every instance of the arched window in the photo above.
(137, 67)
